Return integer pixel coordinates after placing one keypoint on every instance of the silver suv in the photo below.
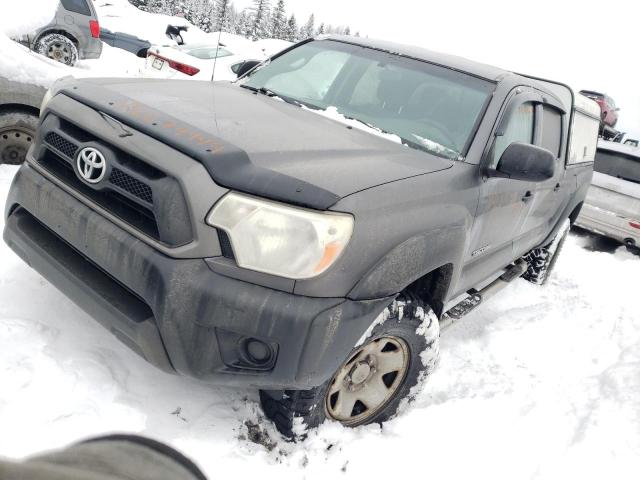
(74, 33)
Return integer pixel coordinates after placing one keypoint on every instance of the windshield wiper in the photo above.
(272, 94)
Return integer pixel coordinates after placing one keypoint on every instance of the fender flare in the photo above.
(413, 259)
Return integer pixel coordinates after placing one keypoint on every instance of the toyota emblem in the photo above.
(91, 165)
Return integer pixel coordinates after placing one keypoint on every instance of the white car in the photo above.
(196, 61)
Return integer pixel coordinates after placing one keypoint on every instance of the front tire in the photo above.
(541, 261)
(57, 47)
(399, 354)
(17, 131)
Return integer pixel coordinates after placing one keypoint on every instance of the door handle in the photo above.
(557, 187)
(527, 196)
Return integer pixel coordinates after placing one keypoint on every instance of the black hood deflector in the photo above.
(228, 165)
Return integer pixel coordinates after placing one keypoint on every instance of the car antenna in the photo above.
(215, 60)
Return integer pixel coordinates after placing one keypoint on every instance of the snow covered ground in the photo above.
(539, 383)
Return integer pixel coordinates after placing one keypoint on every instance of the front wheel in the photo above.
(369, 387)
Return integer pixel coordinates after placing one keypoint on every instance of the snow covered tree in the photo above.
(224, 14)
(347, 31)
(321, 29)
(244, 24)
(260, 26)
(292, 29)
(308, 28)
(279, 21)
(141, 4)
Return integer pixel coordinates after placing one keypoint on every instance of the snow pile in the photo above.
(16, 62)
(25, 16)
(539, 383)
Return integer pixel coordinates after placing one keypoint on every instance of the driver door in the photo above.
(504, 203)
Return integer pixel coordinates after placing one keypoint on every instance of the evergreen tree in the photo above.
(141, 4)
(347, 31)
(292, 29)
(260, 26)
(321, 29)
(223, 20)
(308, 29)
(279, 21)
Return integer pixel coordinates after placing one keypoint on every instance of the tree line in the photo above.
(261, 20)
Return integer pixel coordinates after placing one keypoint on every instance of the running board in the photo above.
(475, 298)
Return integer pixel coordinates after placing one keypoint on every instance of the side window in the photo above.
(77, 6)
(551, 130)
(519, 129)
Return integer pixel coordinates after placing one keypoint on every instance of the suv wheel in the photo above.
(371, 384)
(57, 47)
(17, 130)
(540, 261)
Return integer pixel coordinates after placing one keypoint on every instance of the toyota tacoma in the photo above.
(307, 229)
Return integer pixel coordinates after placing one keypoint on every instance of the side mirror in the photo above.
(246, 66)
(523, 161)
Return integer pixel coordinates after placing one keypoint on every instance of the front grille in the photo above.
(132, 185)
(61, 144)
(134, 191)
(133, 213)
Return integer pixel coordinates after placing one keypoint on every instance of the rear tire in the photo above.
(406, 344)
(541, 261)
(57, 47)
(17, 131)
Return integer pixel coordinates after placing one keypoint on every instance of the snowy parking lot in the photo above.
(537, 383)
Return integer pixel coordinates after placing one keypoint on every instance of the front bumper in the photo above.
(178, 313)
(609, 224)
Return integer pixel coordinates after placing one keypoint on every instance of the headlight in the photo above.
(281, 240)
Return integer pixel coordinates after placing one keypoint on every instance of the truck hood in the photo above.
(278, 137)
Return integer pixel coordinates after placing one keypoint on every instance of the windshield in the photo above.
(427, 107)
(619, 165)
(204, 52)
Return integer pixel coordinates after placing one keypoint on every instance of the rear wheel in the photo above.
(17, 130)
(372, 383)
(541, 261)
(57, 47)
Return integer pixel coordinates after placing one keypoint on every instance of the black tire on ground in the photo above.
(541, 261)
(410, 330)
(17, 131)
(57, 47)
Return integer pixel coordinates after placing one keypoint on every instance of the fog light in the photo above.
(257, 351)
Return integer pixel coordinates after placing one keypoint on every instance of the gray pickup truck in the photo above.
(307, 229)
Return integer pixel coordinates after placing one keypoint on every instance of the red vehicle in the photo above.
(608, 107)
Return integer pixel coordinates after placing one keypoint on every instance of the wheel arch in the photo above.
(425, 265)
(59, 31)
(19, 107)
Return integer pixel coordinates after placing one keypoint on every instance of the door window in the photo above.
(551, 130)
(77, 6)
(519, 129)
